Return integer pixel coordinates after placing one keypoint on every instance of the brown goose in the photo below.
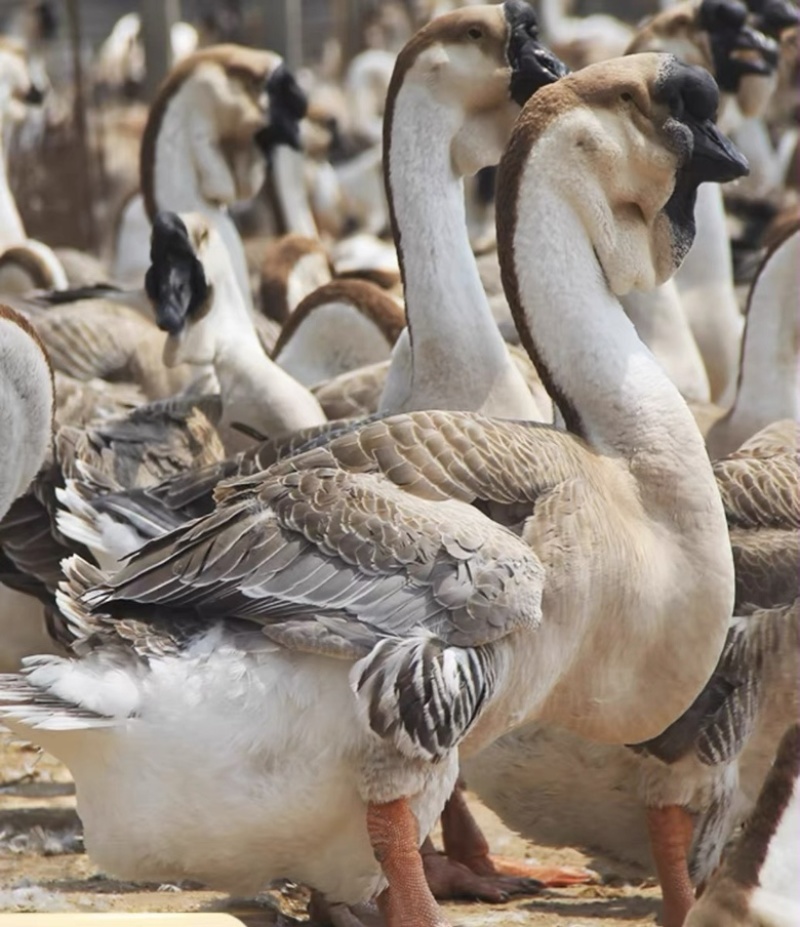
(757, 885)
(341, 326)
(354, 611)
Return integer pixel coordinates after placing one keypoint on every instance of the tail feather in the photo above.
(24, 705)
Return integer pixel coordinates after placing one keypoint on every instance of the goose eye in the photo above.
(475, 33)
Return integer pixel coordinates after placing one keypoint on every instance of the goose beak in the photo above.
(175, 282)
(34, 96)
(774, 16)
(737, 49)
(714, 157)
(532, 65)
(288, 104)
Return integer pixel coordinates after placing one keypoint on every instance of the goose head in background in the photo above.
(716, 35)
(199, 150)
(196, 300)
(18, 87)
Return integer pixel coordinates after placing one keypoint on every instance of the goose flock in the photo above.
(324, 500)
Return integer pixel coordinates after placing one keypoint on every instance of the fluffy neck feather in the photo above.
(459, 358)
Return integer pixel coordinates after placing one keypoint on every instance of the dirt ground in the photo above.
(43, 867)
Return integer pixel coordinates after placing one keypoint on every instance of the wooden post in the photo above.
(158, 17)
(283, 30)
(86, 218)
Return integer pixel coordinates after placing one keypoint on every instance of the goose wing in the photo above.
(369, 547)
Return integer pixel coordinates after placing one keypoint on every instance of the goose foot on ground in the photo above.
(671, 830)
(341, 915)
(465, 847)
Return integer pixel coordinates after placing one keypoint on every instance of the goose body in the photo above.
(558, 788)
(341, 326)
(298, 629)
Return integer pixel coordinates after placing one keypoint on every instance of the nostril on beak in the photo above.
(35, 95)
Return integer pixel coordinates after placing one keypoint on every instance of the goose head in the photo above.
(247, 98)
(188, 284)
(626, 143)
(479, 64)
(717, 35)
(17, 85)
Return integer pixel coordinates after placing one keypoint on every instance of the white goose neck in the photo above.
(254, 389)
(769, 380)
(12, 231)
(624, 402)
(458, 352)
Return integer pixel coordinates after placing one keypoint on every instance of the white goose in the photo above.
(26, 411)
(17, 89)
(198, 151)
(197, 300)
(768, 388)
(27, 405)
(353, 614)
(452, 355)
(713, 34)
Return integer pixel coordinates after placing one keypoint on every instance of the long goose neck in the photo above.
(768, 375)
(446, 306)
(290, 192)
(253, 388)
(26, 407)
(12, 231)
(608, 385)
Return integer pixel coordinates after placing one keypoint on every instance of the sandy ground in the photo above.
(43, 867)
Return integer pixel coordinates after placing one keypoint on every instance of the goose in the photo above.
(767, 389)
(26, 380)
(291, 267)
(341, 326)
(452, 355)
(713, 34)
(120, 64)
(757, 884)
(356, 613)
(26, 421)
(557, 788)
(198, 303)
(198, 151)
(348, 395)
(18, 90)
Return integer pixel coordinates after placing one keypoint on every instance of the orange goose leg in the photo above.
(394, 835)
(670, 830)
(467, 870)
